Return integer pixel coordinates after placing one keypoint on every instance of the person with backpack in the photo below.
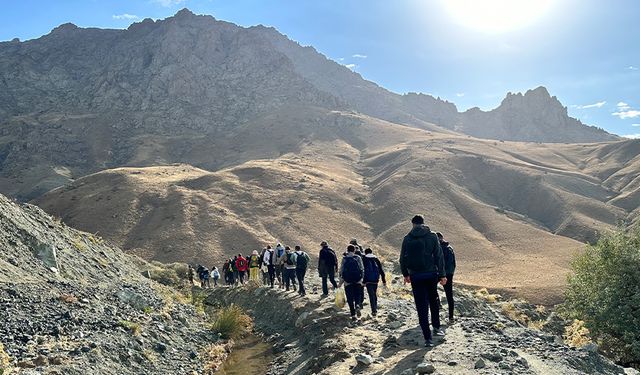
(422, 265)
(302, 262)
(449, 268)
(206, 283)
(254, 267)
(327, 267)
(372, 273)
(279, 264)
(225, 271)
(241, 266)
(215, 275)
(290, 265)
(234, 268)
(351, 275)
(359, 253)
(200, 272)
(268, 261)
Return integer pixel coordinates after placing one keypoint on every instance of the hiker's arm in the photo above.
(403, 266)
(384, 278)
(438, 257)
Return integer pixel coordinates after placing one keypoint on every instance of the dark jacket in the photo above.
(449, 258)
(327, 260)
(373, 258)
(421, 254)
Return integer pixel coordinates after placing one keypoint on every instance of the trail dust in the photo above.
(250, 356)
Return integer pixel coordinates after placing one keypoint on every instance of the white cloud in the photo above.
(168, 3)
(635, 124)
(351, 66)
(623, 106)
(340, 58)
(632, 113)
(460, 94)
(594, 105)
(632, 136)
(359, 56)
(631, 67)
(125, 16)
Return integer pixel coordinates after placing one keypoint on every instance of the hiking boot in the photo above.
(438, 332)
(353, 318)
(428, 343)
(374, 314)
(451, 321)
(358, 313)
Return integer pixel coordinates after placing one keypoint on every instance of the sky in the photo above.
(470, 52)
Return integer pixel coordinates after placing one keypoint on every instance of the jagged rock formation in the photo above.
(71, 304)
(197, 90)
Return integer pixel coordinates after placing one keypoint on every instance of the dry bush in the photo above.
(68, 298)
(5, 360)
(231, 322)
(215, 355)
(485, 295)
(132, 327)
(576, 334)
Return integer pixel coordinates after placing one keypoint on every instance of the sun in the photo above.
(496, 16)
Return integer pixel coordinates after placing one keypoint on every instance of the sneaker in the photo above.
(438, 332)
(358, 313)
(428, 343)
(374, 314)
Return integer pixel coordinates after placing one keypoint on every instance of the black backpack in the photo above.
(289, 259)
(351, 273)
(302, 260)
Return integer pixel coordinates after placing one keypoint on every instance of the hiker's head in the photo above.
(417, 220)
(287, 248)
(351, 249)
(239, 255)
(324, 244)
(353, 241)
(255, 252)
(440, 237)
(268, 247)
(368, 250)
(297, 247)
(278, 245)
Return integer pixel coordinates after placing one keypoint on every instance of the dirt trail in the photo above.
(311, 337)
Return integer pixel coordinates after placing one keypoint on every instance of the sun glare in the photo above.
(496, 16)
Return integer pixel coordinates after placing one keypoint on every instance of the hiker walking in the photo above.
(205, 278)
(279, 264)
(226, 271)
(359, 253)
(234, 268)
(290, 265)
(449, 268)
(302, 262)
(351, 275)
(268, 260)
(327, 267)
(215, 275)
(422, 265)
(372, 273)
(241, 266)
(254, 267)
(200, 272)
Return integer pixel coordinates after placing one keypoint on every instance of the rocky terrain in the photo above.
(311, 337)
(71, 304)
(192, 89)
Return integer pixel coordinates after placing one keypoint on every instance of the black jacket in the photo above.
(449, 258)
(327, 260)
(421, 253)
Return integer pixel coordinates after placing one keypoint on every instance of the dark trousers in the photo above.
(215, 281)
(290, 278)
(372, 290)
(300, 275)
(425, 295)
(331, 275)
(361, 296)
(448, 290)
(241, 276)
(352, 291)
(272, 274)
(279, 272)
(236, 277)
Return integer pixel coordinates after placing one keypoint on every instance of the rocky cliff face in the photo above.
(534, 116)
(71, 304)
(77, 100)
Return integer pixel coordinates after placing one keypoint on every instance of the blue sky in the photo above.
(586, 52)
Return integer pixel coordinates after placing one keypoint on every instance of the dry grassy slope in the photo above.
(509, 208)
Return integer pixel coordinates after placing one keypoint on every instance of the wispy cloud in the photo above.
(632, 136)
(631, 67)
(359, 56)
(635, 125)
(625, 111)
(125, 16)
(351, 66)
(460, 94)
(594, 105)
(168, 3)
(340, 59)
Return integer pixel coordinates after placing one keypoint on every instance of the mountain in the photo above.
(77, 101)
(508, 207)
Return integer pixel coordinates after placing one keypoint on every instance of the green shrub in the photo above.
(173, 274)
(604, 292)
(231, 322)
(132, 327)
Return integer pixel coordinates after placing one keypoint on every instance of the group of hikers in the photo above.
(426, 259)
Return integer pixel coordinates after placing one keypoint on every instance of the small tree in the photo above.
(604, 292)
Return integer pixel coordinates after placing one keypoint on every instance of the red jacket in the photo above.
(242, 264)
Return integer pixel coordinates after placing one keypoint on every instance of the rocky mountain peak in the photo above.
(65, 28)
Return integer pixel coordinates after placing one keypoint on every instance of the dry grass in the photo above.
(79, 244)
(576, 334)
(485, 295)
(5, 360)
(68, 298)
(134, 328)
(150, 355)
(231, 322)
(215, 355)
